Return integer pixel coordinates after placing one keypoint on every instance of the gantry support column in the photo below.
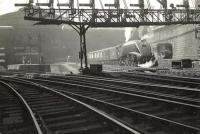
(83, 48)
(81, 30)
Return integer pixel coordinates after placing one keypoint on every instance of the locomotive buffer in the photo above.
(114, 16)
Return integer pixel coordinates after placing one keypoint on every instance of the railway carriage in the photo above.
(130, 53)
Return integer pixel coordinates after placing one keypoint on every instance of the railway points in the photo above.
(145, 106)
(16, 115)
(138, 99)
(162, 79)
(188, 96)
(60, 113)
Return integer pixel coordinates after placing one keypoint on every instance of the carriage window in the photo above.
(95, 55)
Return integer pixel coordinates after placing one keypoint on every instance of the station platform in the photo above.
(65, 68)
(57, 68)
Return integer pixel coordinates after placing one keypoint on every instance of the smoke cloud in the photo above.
(131, 34)
(128, 33)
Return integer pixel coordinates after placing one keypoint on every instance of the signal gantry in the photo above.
(109, 15)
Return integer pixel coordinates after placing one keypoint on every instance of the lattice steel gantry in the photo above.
(114, 16)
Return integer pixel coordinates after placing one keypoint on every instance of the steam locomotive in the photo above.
(131, 53)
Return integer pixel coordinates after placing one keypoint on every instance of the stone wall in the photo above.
(182, 38)
(197, 2)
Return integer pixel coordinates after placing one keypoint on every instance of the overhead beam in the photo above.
(43, 4)
(24, 4)
(21, 4)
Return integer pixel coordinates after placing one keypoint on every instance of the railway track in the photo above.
(16, 117)
(162, 79)
(57, 113)
(179, 94)
(154, 115)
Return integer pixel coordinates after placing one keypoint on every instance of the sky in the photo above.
(7, 6)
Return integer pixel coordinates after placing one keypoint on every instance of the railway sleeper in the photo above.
(37, 102)
(58, 114)
(71, 124)
(81, 130)
(52, 104)
(43, 107)
(70, 117)
(46, 112)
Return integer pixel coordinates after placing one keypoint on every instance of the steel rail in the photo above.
(161, 78)
(78, 96)
(166, 101)
(118, 106)
(131, 82)
(127, 89)
(95, 110)
(119, 92)
(27, 107)
(152, 116)
(96, 79)
(99, 112)
(131, 110)
(183, 78)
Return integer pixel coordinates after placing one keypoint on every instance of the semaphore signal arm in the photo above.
(65, 13)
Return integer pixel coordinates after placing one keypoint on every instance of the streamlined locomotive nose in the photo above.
(129, 53)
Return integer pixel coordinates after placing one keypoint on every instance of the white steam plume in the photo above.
(127, 33)
(148, 64)
(63, 27)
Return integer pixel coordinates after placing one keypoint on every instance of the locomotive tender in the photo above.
(131, 53)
